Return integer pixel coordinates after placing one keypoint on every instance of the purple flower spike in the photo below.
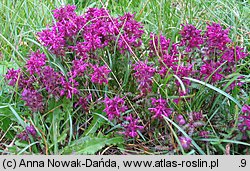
(54, 40)
(216, 37)
(114, 107)
(52, 81)
(65, 13)
(185, 142)
(191, 37)
(78, 68)
(204, 134)
(31, 130)
(131, 31)
(244, 120)
(160, 108)
(144, 75)
(23, 136)
(33, 99)
(69, 88)
(246, 109)
(12, 75)
(131, 127)
(36, 62)
(234, 54)
(100, 74)
(181, 120)
(160, 45)
(211, 70)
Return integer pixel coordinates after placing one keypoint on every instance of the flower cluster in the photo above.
(185, 142)
(180, 119)
(36, 62)
(233, 54)
(131, 126)
(144, 74)
(160, 108)
(219, 56)
(191, 37)
(114, 107)
(100, 74)
(131, 33)
(159, 45)
(33, 99)
(13, 76)
(211, 70)
(79, 66)
(94, 30)
(83, 102)
(195, 120)
(30, 130)
(52, 81)
(67, 26)
(216, 38)
(244, 121)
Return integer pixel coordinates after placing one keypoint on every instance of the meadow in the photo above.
(125, 77)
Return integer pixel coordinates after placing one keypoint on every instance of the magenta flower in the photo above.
(160, 46)
(233, 54)
(190, 37)
(54, 40)
(131, 31)
(93, 14)
(185, 142)
(83, 102)
(245, 109)
(100, 74)
(68, 23)
(244, 121)
(81, 50)
(65, 13)
(67, 26)
(100, 30)
(31, 130)
(204, 134)
(160, 108)
(196, 116)
(180, 119)
(33, 99)
(210, 70)
(78, 68)
(52, 81)
(24, 135)
(13, 75)
(195, 120)
(216, 38)
(17, 77)
(144, 75)
(69, 88)
(131, 127)
(114, 107)
(166, 62)
(36, 62)
(183, 71)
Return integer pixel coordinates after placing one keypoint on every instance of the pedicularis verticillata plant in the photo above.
(93, 54)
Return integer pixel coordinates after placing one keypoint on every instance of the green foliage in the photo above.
(91, 145)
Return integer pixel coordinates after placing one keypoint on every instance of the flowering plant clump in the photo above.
(91, 82)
